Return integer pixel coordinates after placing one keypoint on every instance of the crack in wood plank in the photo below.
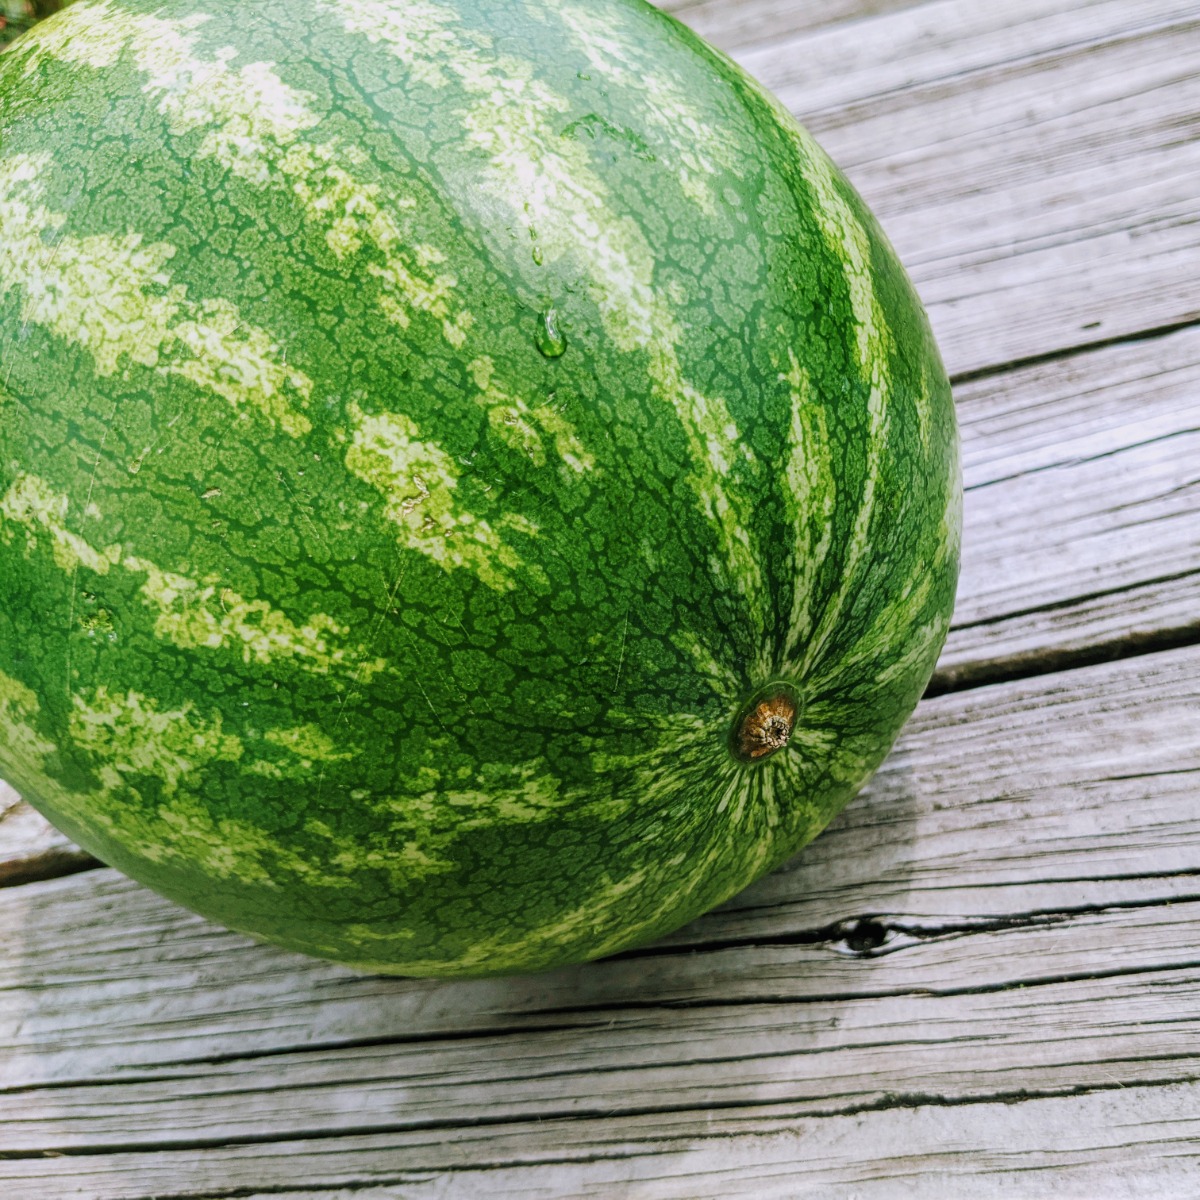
(1075, 350)
(1083, 1140)
(31, 849)
(884, 1103)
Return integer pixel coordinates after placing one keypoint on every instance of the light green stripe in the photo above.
(550, 191)
(425, 824)
(722, 678)
(811, 495)
(252, 123)
(114, 298)
(950, 546)
(190, 614)
(690, 142)
(33, 506)
(848, 240)
(419, 483)
(895, 624)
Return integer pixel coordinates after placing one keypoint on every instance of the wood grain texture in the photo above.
(31, 848)
(984, 978)
(1034, 163)
(969, 1043)
(1128, 1142)
(1082, 514)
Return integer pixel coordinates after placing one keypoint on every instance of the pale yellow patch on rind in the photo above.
(33, 506)
(21, 746)
(207, 615)
(308, 747)
(253, 124)
(191, 614)
(546, 185)
(131, 736)
(419, 482)
(114, 297)
(308, 742)
(528, 428)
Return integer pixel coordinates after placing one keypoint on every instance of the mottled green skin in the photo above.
(533, 766)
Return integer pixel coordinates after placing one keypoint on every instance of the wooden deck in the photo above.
(984, 979)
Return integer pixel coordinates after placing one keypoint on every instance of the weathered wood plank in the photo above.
(1097, 1031)
(1034, 163)
(905, 48)
(1036, 806)
(1082, 507)
(1127, 1142)
(730, 25)
(31, 848)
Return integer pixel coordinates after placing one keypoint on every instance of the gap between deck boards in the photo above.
(888, 1102)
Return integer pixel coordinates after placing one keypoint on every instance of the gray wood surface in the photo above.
(984, 978)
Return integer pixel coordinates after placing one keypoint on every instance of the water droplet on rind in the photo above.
(551, 341)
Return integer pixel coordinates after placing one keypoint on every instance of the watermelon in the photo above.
(477, 488)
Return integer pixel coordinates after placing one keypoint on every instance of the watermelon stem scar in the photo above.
(765, 723)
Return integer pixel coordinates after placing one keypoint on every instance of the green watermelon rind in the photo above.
(423, 428)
